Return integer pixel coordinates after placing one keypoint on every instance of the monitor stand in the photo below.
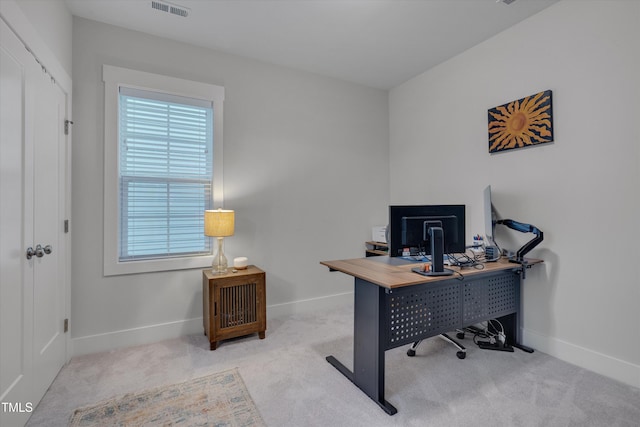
(436, 236)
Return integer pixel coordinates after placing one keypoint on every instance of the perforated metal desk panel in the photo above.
(429, 309)
(395, 306)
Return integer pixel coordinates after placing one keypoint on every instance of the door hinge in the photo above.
(66, 325)
(66, 126)
(66, 225)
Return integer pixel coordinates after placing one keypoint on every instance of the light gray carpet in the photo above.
(293, 385)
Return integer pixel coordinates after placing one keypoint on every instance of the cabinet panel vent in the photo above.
(238, 305)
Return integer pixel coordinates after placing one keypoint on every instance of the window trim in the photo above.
(114, 78)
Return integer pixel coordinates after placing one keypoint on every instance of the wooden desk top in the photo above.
(396, 272)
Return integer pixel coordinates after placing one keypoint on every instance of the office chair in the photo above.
(462, 352)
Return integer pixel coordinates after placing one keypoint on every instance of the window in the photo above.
(163, 146)
(165, 174)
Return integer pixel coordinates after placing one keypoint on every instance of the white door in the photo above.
(48, 232)
(32, 201)
(15, 353)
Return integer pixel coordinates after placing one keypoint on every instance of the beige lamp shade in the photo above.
(219, 223)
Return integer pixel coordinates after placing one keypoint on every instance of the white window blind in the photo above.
(165, 174)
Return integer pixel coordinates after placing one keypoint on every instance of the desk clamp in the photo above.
(522, 271)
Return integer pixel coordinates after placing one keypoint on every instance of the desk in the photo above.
(395, 306)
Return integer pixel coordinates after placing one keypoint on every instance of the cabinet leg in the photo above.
(213, 345)
(261, 335)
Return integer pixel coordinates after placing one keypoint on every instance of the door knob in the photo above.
(39, 251)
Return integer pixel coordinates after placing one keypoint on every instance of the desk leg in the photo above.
(513, 322)
(368, 345)
(512, 332)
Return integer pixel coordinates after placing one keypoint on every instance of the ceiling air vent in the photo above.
(160, 6)
(170, 8)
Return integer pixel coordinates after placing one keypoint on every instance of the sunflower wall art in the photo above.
(522, 123)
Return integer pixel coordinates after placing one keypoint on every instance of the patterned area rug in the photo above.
(219, 400)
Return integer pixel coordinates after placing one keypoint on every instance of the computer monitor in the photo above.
(489, 216)
(415, 231)
(491, 250)
(412, 228)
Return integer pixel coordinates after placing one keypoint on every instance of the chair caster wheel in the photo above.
(461, 354)
(460, 335)
(411, 352)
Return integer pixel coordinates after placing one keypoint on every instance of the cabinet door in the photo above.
(239, 306)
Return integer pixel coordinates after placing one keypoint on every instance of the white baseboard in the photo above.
(136, 336)
(154, 333)
(603, 364)
(309, 305)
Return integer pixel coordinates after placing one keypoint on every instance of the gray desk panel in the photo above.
(422, 311)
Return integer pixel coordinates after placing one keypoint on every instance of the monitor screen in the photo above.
(409, 228)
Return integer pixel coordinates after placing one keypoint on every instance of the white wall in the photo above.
(53, 21)
(305, 168)
(582, 190)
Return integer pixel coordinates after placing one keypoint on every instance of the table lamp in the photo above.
(220, 224)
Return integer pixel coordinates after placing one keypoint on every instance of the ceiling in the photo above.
(378, 43)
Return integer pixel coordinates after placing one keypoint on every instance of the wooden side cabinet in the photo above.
(234, 304)
(376, 248)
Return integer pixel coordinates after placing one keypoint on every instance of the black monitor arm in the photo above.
(523, 228)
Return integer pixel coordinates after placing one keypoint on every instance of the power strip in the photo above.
(495, 346)
(491, 253)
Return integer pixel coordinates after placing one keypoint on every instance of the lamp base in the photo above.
(216, 270)
(219, 265)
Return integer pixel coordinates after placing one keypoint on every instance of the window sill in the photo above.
(156, 265)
